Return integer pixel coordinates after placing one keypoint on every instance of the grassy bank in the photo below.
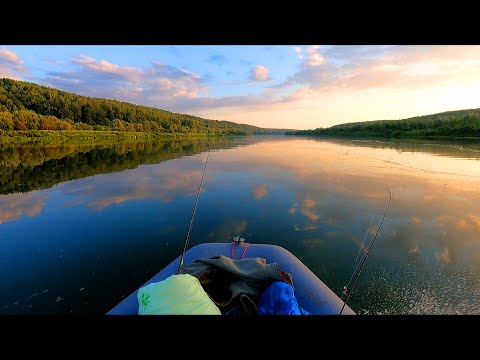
(376, 136)
(450, 124)
(53, 136)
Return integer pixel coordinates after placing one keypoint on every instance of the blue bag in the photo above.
(279, 299)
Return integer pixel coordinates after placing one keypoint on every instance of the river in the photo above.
(83, 226)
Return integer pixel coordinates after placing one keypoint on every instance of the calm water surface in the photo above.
(81, 227)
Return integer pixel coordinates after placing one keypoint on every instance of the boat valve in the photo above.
(237, 239)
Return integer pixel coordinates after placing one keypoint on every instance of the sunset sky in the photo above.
(287, 86)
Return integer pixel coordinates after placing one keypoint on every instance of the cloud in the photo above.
(314, 57)
(312, 49)
(367, 67)
(466, 222)
(298, 50)
(158, 85)
(10, 56)
(166, 183)
(50, 61)
(260, 191)
(163, 184)
(11, 66)
(105, 67)
(308, 206)
(259, 73)
(13, 206)
(307, 209)
(137, 193)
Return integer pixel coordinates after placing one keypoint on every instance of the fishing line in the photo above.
(360, 265)
(363, 242)
(193, 216)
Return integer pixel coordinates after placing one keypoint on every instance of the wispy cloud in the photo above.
(10, 56)
(50, 61)
(173, 183)
(107, 68)
(366, 67)
(157, 85)
(11, 66)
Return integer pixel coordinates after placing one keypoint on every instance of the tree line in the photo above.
(28, 106)
(461, 123)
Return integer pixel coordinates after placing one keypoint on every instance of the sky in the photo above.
(274, 86)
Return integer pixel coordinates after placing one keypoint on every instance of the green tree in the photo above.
(6, 121)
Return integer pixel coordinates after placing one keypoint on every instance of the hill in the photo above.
(459, 123)
(28, 106)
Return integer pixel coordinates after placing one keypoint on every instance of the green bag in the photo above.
(176, 295)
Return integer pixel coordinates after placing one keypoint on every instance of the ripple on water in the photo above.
(453, 293)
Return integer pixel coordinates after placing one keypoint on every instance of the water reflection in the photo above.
(15, 206)
(31, 167)
(259, 191)
(316, 198)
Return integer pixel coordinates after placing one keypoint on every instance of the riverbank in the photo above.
(53, 136)
(404, 136)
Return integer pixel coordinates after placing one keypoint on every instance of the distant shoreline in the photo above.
(85, 136)
(47, 136)
(384, 137)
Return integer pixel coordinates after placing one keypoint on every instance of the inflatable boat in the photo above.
(311, 293)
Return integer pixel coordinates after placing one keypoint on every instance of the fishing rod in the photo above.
(193, 216)
(358, 269)
(364, 238)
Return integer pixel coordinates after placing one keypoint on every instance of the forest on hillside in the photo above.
(461, 123)
(28, 106)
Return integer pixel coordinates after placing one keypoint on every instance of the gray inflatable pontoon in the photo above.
(311, 293)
